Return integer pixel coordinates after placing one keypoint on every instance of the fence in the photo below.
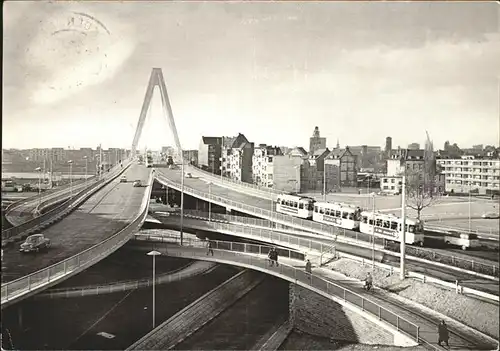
(58, 212)
(76, 263)
(331, 231)
(235, 182)
(480, 230)
(232, 252)
(169, 277)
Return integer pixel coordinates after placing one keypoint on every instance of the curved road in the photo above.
(465, 279)
(190, 270)
(99, 218)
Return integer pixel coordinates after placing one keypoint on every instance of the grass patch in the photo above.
(458, 307)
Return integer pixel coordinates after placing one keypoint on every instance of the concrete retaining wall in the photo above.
(196, 315)
(314, 314)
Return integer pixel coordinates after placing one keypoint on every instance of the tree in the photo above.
(422, 188)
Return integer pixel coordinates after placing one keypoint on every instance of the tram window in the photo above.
(316, 209)
(394, 225)
(301, 205)
(310, 207)
(337, 213)
(351, 216)
(321, 210)
(472, 236)
(387, 224)
(378, 223)
(411, 229)
(370, 221)
(344, 215)
(364, 219)
(295, 204)
(287, 203)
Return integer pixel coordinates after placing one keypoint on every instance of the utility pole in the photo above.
(373, 237)
(402, 273)
(221, 157)
(324, 181)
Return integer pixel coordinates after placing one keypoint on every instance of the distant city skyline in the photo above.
(272, 71)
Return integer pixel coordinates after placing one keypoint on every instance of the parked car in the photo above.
(123, 179)
(137, 184)
(35, 242)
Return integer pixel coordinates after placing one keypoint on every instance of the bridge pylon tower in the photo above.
(156, 79)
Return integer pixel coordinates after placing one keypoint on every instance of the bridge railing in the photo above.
(480, 230)
(298, 244)
(238, 253)
(427, 254)
(59, 211)
(331, 231)
(85, 185)
(218, 179)
(16, 288)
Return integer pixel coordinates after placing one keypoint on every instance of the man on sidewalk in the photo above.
(443, 333)
(210, 248)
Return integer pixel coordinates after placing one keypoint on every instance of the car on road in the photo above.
(491, 215)
(189, 175)
(123, 179)
(35, 242)
(137, 184)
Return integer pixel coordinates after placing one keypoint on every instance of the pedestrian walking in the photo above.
(309, 269)
(210, 247)
(270, 256)
(276, 257)
(443, 333)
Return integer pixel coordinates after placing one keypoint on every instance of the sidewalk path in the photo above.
(460, 338)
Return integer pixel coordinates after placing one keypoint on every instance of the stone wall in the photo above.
(316, 315)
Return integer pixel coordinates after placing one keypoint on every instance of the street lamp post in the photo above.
(470, 189)
(402, 274)
(154, 254)
(70, 178)
(39, 170)
(182, 198)
(324, 181)
(86, 165)
(209, 202)
(373, 237)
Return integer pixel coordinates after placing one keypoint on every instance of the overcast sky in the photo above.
(273, 71)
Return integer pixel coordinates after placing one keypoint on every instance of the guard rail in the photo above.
(330, 231)
(229, 251)
(218, 179)
(480, 230)
(45, 277)
(428, 254)
(60, 211)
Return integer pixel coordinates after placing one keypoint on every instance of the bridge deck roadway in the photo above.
(24, 212)
(465, 279)
(101, 216)
(447, 211)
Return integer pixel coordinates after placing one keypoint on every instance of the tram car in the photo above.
(388, 226)
(337, 214)
(297, 206)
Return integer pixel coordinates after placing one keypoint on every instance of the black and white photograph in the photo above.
(250, 175)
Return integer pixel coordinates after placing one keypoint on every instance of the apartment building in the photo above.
(312, 171)
(262, 164)
(237, 157)
(341, 169)
(190, 156)
(209, 154)
(471, 174)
